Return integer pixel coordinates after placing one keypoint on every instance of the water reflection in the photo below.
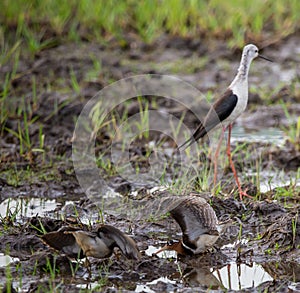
(202, 277)
(241, 276)
(230, 277)
(233, 276)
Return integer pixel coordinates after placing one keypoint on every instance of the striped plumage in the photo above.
(199, 225)
(99, 243)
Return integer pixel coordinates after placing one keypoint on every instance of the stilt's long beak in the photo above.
(263, 57)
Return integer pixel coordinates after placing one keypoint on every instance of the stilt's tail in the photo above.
(187, 143)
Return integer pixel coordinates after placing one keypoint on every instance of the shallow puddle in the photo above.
(262, 135)
(89, 286)
(270, 180)
(233, 276)
(238, 277)
(295, 287)
(6, 260)
(147, 289)
(277, 181)
(164, 254)
(27, 207)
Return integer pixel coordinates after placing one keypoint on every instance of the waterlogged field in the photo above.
(136, 78)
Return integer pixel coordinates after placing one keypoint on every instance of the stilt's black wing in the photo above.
(219, 111)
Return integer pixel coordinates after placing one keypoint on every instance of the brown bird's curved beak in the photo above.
(263, 57)
(176, 246)
(166, 247)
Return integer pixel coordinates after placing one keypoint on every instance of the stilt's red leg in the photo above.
(217, 155)
(241, 192)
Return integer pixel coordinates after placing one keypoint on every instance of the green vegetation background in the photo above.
(40, 23)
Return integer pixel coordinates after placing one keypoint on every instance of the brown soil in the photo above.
(266, 230)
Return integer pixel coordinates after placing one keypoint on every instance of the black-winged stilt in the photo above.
(228, 108)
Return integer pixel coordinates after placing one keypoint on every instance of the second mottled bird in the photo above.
(199, 224)
(99, 243)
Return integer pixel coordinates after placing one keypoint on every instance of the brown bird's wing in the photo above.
(126, 244)
(219, 111)
(93, 244)
(65, 243)
(195, 218)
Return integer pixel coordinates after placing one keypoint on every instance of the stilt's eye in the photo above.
(256, 51)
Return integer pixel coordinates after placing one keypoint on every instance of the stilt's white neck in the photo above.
(243, 70)
(244, 66)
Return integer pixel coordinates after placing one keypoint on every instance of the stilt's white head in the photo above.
(251, 51)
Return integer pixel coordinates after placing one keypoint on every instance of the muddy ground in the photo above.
(265, 237)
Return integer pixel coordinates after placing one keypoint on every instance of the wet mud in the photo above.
(39, 191)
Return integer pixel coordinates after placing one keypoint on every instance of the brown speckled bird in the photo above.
(99, 243)
(199, 225)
